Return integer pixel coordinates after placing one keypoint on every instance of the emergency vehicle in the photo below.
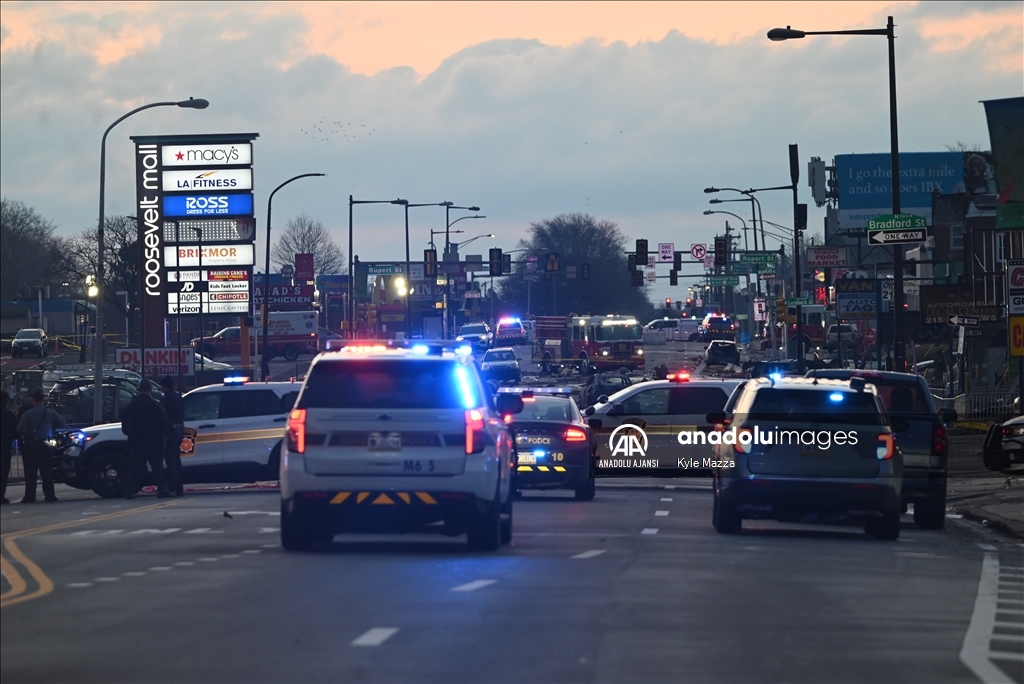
(290, 334)
(606, 342)
(813, 325)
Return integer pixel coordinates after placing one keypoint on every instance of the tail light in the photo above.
(297, 431)
(575, 435)
(474, 431)
(940, 442)
(886, 447)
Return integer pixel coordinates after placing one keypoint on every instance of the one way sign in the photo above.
(966, 321)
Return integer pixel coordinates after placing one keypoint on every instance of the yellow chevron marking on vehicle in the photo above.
(525, 469)
(404, 496)
(361, 496)
(384, 499)
(425, 498)
(559, 469)
(543, 469)
(340, 497)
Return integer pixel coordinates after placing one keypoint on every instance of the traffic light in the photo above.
(641, 251)
(677, 261)
(585, 271)
(360, 311)
(721, 245)
(637, 279)
(552, 263)
(430, 263)
(679, 305)
(673, 278)
(371, 315)
(689, 302)
(495, 266)
(668, 302)
(506, 263)
(632, 262)
(801, 217)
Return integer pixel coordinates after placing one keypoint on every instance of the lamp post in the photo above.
(351, 313)
(408, 284)
(98, 376)
(448, 206)
(778, 34)
(441, 232)
(265, 358)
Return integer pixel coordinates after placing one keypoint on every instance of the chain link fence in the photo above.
(976, 413)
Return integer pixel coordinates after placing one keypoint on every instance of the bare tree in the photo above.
(305, 235)
(31, 253)
(961, 146)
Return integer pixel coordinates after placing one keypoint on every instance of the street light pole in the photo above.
(788, 33)
(190, 103)
(264, 357)
(351, 308)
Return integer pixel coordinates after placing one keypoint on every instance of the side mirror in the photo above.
(948, 415)
(716, 417)
(899, 424)
(508, 404)
(616, 410)
(595, 423)
(589, 411)
(603, 399)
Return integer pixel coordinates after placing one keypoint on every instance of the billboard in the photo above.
(164, 361)
(865, 191)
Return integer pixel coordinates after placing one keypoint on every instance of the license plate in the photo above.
(527, 459)
(378, 442)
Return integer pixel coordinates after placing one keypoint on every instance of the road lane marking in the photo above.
(986, 547)
(660, 514)
(670, 486)
(251, 551)
(79, 585)
(270, 546)
(976, 649)
(229, 555)
(134, 573)
(184, 563)
(44, 585)
(107, 579)
(668, 498)
(649, 530)
(208, 560)
(375, 636)
(160, 568)
(589, 554)
(474, 585)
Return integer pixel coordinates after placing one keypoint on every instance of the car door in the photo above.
(648, 409)
(201, 444)
(690, 405)
(252, 423)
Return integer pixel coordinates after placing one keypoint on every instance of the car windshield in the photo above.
(490, 357)
(558, 409)
(815, 406)
(618, 331)
(27, 335)
(389, 384)
(901, 396)
(472, 330)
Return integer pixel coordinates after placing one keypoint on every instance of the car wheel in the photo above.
(295, 533)
(506, 520)
(886, 527)
(108, 472)
(725, 519)
(587, 490)
(484, 533)
(930, 514)
(291, 352)
(274, 464)
(209, 352)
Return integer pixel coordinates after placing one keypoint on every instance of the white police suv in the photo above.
(233, 433)
(397, 440)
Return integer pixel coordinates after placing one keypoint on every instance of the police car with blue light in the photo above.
(233, 433)
(397, 437)
(552, 442)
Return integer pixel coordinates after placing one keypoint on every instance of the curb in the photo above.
(994, 522)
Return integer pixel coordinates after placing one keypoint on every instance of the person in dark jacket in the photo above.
(37, 428)
(8, 433)
(145, 423)
(174, 407)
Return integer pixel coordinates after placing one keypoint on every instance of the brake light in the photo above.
(940, 442)
(297, 431)
(575, 435)
(886, 447)
(474, 431)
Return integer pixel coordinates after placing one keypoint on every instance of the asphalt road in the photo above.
(634, 586)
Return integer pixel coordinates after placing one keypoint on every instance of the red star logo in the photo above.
(179, 156)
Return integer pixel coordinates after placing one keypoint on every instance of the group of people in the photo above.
(154, 429)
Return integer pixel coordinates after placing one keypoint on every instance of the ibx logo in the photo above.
(628, 440)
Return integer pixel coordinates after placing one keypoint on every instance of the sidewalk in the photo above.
(983, 498)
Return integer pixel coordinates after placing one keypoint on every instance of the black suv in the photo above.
(924, 444)
(29, 341)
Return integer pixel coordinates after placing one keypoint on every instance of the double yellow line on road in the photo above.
(18, 593)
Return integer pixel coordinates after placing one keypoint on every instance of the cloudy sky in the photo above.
(625, 111)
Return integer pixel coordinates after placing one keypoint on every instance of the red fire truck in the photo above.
(606, 342)
(813, 325)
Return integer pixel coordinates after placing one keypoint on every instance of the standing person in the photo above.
(174, 407)
(37, 428)
(145, 423)
(8, 433)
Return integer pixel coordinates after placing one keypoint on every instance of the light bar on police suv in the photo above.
(556, 391)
